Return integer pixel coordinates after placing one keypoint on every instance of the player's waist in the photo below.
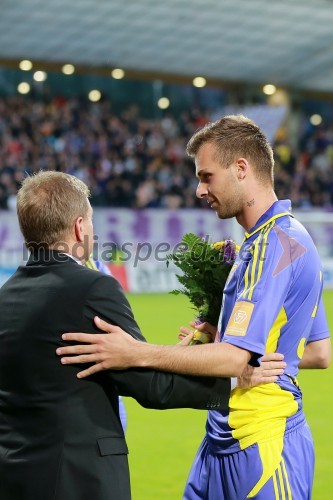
(223, 445)
(255, 414)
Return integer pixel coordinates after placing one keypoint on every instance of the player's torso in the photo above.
(262, 412)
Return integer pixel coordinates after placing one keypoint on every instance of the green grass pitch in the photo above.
(163, 443)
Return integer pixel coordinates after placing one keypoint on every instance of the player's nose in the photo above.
(201, 191)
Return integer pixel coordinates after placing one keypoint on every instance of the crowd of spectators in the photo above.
(131, 161)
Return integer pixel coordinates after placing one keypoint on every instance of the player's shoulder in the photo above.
(291, 230)
(297, 233)
(288, 242)
(295, 243)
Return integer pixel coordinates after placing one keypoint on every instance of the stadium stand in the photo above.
(131, 161)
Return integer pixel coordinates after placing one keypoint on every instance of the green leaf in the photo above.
(204, 274)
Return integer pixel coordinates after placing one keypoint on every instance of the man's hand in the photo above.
(272, 365)
(186, 338)
(202, 327)
(119, 351)
(106, 351)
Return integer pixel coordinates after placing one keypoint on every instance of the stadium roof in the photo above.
(287, 42)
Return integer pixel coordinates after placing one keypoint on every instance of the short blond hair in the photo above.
(236, 136)
(48, 204)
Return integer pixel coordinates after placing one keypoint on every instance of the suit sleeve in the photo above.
(152, 389)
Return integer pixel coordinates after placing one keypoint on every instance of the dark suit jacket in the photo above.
(61, 437)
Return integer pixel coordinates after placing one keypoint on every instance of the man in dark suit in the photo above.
(61, 437)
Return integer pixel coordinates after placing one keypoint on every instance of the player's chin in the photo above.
(222, 214)
(225, 212)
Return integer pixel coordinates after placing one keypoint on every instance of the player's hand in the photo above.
(272, 365)
(186, 338)
(202, 327)
(106, 351)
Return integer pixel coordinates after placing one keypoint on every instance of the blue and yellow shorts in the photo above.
(237, 476)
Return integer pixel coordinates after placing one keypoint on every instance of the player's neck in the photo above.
(255, 207)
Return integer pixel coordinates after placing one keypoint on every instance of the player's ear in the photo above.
(242, 167)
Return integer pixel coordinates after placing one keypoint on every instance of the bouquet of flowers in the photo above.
(205, 268)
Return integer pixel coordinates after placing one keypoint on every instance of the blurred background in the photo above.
(110, 92)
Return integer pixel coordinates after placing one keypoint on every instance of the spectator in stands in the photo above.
(129, 161)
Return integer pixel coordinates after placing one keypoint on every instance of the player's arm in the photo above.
(317, 354)
(218, 359)
(109, 352)
(119, 350)
(271, 364)
(225, 359)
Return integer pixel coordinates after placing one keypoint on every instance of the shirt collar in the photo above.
(45, 256)
(72, 257)
(279, 209)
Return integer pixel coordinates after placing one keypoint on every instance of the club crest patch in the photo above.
(240, 319)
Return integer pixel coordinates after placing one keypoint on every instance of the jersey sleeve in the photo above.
(319, 328)
(263, 291)
(103, 268)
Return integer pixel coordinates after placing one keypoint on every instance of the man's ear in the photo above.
(242, 168)
(78, 228)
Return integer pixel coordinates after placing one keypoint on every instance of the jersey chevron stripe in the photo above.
(250, 271)
(262, 247)
(285, 473)
(254, 271)
(256, 266)
(283, 493)
(276, 491)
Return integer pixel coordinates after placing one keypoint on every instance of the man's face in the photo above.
(217, 184)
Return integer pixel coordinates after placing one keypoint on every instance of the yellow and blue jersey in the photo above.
(97, 265)
(272, 302)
